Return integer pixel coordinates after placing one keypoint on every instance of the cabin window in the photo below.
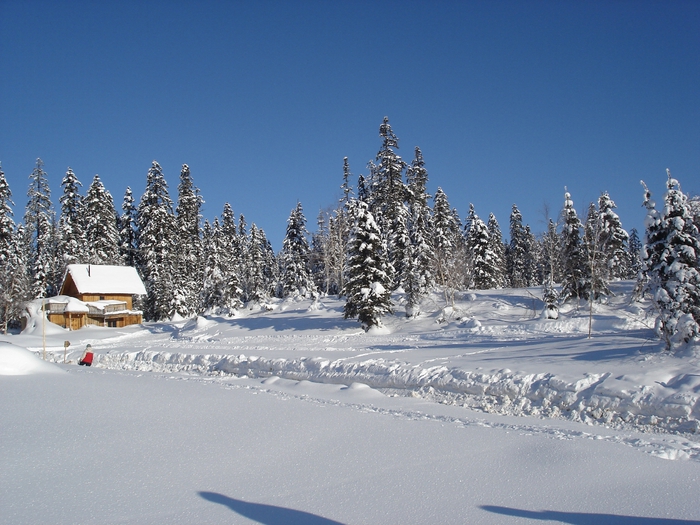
(102, 297)
(111, 323)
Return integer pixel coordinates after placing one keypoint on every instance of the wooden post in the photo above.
(43, 327)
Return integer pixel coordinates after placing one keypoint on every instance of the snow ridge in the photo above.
(592, 399)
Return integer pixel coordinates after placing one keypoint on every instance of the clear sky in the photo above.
(509, 101)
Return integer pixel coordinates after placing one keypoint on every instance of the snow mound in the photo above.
(18, 361)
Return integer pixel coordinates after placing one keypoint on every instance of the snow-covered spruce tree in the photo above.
(369, 271)
(214, 287)
(156, 245)
(613, 240)
(255, 287)
(484, 268)
(127, 229)
(71, 239)
(9, 293)
(229, 247)
(188, 264)
(652, 247)
(100, 225)
(694, 203)
(319, 254)
(551, 254)
(39, 220)
(497, 248)
(387, 201)
(468, 267)
(575, 278)
(532, 261)
(671, 264)
(418, 275)
(294, 259)
(7, 224)
(446, 233)
(17, 287)
(550, 299)
(634, 255)
(271, 267)
(517, 251)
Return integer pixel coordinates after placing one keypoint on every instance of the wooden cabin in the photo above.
(105, 297)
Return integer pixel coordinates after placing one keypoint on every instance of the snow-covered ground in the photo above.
(484, 413)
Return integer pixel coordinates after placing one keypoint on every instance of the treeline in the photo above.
(381, 237)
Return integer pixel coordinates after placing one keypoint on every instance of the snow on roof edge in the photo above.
(102, 278)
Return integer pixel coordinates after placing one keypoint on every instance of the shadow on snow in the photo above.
(267, 514)
(583, 518)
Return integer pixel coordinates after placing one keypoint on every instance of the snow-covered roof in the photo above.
(105, 279)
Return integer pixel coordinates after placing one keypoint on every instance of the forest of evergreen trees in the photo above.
(381, 237)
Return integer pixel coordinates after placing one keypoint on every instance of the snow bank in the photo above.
(18, 361)
(618, 402)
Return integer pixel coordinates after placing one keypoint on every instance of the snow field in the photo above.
(491, 352)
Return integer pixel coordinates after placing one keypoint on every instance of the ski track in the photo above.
(663, 446)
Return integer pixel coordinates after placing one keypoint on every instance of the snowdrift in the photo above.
(18, 361)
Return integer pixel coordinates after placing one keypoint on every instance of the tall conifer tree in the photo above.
(100, 225)
(188, 264)
(156, 245)
(369, 274)
(39, 220)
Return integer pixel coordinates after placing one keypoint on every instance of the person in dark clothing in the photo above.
(87, 357)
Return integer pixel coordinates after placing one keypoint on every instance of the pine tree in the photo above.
(551, 255)
(387, 202)
(671, 263)
(517, 253)
(7, 225)
(71, 243)
(230, 261)
(483, 259)
(188, 271)
(100, 225)
(418, 275)
(271, 267)
(446, 233)
(575, 278)
(294, 260)
(653, 246)
(127, 230)
(634, 255)
(550, 299)
(16, 285)
(212, 280)
(156, 245)
(613, 240)
(532, 260)
(497, 248)
(320, 257)
(8, 262)
(255, 284)
(369, 274)
(469, 240)
(39, 229)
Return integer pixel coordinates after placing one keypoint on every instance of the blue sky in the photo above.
(509, 101)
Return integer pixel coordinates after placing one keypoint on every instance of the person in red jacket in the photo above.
(87, 357)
